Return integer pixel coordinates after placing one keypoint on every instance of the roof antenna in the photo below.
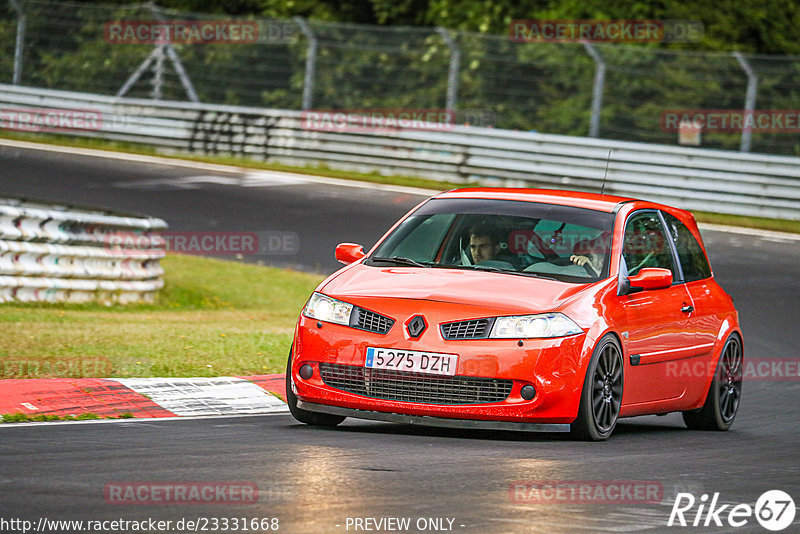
(605, 175)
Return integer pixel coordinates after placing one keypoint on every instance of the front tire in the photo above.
(725, 392)
(601, 397)
(304, 416)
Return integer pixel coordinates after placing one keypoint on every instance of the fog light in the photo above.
(306, 371)
(527, 392)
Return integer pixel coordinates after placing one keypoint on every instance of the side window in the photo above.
(693, 260)
(646, 244)
(423, 241)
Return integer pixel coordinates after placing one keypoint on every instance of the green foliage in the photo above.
(402, 61)
(749, 25)
(41, 418)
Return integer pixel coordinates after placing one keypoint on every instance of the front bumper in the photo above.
(424, 420)
(554, 367)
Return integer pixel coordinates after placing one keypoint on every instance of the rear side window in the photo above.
(693, 260)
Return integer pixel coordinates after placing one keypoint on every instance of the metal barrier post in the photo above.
(597, 91)
(311, 61)
(176, 64)
(453, 70)
(184, 78)
(749, 101)
(158, 73)
(159, 53)
(133, 78)
(20, 42)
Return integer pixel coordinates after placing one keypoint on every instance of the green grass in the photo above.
(374, 177)
(778, 225)
(25, 418)
(213, 318)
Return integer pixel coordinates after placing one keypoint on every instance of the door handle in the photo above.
(687, 309)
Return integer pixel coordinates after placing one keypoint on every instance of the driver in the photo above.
(483, 242)
(590, 253)
(592, 261)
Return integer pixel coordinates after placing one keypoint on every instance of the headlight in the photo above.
(527, 326)
(324, 308)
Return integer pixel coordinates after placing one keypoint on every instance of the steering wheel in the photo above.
(563, 262)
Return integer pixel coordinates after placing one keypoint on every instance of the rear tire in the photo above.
(725, 392)
(601, 397)
(304, 416)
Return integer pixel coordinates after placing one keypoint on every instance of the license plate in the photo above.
(414, 361)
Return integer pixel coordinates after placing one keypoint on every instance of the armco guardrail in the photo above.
(51, 253)
(696, 179)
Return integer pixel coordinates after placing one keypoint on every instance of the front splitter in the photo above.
(432, 421)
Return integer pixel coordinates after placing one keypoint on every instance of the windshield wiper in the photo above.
(488, 268)
(401, 260)
(537, 275)
(506, 271)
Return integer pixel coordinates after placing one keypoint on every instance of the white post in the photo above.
(597, 91)
(749, 101)
(20, 42)
(311, 61)
(158, 73)
(452, 73)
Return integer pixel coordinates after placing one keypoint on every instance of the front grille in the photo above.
(414, 387)
(473, 329)
(369, 320)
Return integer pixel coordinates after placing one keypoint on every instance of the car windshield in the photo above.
(523, 238)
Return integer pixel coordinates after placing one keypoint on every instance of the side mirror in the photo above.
(348, 253)
(649, 278)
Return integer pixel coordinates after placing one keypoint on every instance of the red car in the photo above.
(521, 309)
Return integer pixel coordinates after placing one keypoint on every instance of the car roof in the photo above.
(578, 199)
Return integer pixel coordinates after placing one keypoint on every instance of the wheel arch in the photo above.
(729, 327)
(598, 331)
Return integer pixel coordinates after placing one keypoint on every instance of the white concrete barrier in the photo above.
(53, 253)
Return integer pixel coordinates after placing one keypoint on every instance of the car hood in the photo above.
(506, 292)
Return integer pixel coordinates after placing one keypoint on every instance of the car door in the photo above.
(703, 319)
(657, 323)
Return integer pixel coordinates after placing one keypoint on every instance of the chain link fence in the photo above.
(599, 90)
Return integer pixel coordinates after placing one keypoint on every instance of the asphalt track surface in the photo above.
(313, 480)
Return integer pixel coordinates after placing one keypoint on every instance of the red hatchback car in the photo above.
(521, 309)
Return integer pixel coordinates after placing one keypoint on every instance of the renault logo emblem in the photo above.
(416, 326)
